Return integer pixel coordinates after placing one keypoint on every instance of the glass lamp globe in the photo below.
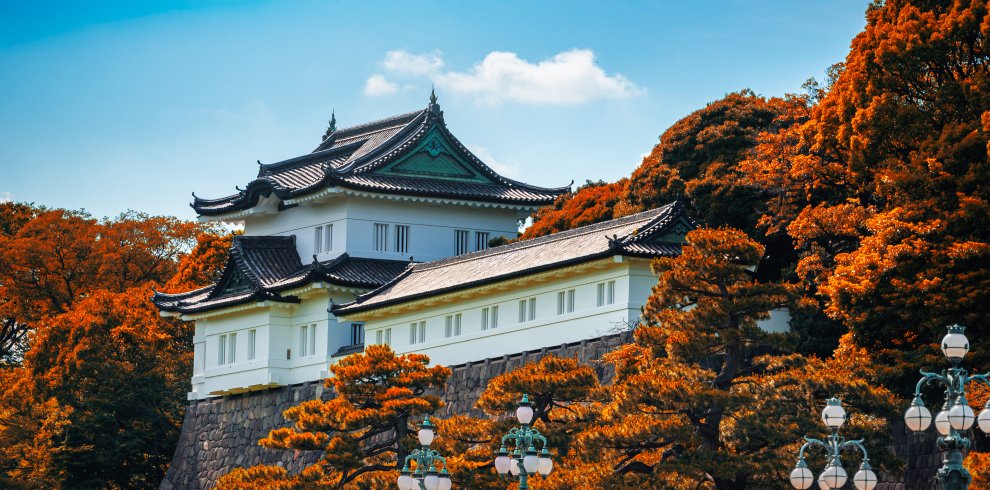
(955, 345)
(833, 477)
(833, 415)
(961, 416)
(546, 464)
(865, 478)
(531, 462)
(917, 418)
(801, 476)
(942, 422)
(445, 482)
(984, 419)
(426, 432)
(502, 461)
(524, 414)
(514, 467)
(405, 480)
(432, 481)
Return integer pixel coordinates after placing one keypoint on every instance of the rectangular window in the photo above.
(527, 309)
(383, 336)
(252, 344)
(452, 325)
(222, 351)
(357, 334)
(565, 302)
(570, 300)
(232, 348)
(413, 332)
(493, 318)
(610, 293)
(327, 238)
(312, 340)
(600, 294)
(532, 309)
(422, 332)
(561, 299)
(381, 237)
(318, 239)
(522, 310)
(402, 238)
(461, 239)
(480, 240)
(303, 340)
(484, 318)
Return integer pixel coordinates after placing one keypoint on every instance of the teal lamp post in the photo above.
(834, 475)
(425, 477)
(524, 460)
(956, 416)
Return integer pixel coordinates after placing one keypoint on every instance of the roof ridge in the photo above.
(351, 130)
(553, 237)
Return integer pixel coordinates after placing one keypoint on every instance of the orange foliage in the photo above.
(366, 431)
(591, 203)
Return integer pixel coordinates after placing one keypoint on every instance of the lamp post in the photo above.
(834, 476)
(425, 477)
(524, 460)
(956, 415)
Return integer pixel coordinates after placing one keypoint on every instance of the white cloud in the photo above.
(7, 197)
(503, 168)
(405, 63)
(379, 85)
(569, 77)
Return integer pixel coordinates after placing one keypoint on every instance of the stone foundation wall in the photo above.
(222, 433)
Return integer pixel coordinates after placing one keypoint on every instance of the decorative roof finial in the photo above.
(333, 121)
(433, 96)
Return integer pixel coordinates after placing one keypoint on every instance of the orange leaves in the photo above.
(590, 203)
(364, 430)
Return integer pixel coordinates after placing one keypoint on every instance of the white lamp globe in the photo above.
(833, 477)
(524, 414)
(405, 481)
(865, 479)
(984, 419)
(432, 481)
(961, 416)
(514, 467)
(531, 462)
(833, 415)
(955, 345)
(445, 482)
(502, 462)
(801, 476)
(917, 418)
(546, 464)
(942, 423)
(426, 432)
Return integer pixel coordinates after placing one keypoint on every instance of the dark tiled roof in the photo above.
(347, 158)
(260, 268)
(636, 235)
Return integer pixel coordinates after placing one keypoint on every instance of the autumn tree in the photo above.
(96, 399)
(591, 203)
(704, 397)
(365, 431)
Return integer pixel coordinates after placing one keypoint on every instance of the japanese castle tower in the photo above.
(381, 235)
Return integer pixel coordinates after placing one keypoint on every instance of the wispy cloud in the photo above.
(406, 63)
(569, 77)
(504, 168)
(378, 85)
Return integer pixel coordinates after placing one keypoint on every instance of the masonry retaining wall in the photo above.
(222, 433)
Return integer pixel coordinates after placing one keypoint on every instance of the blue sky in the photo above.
(119, 105)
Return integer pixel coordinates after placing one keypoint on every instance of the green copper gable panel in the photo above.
(237, 283)
(434, 158)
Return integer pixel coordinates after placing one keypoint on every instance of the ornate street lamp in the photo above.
(834, 476)
(523, 460)
(956, 415)
(425, 477)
